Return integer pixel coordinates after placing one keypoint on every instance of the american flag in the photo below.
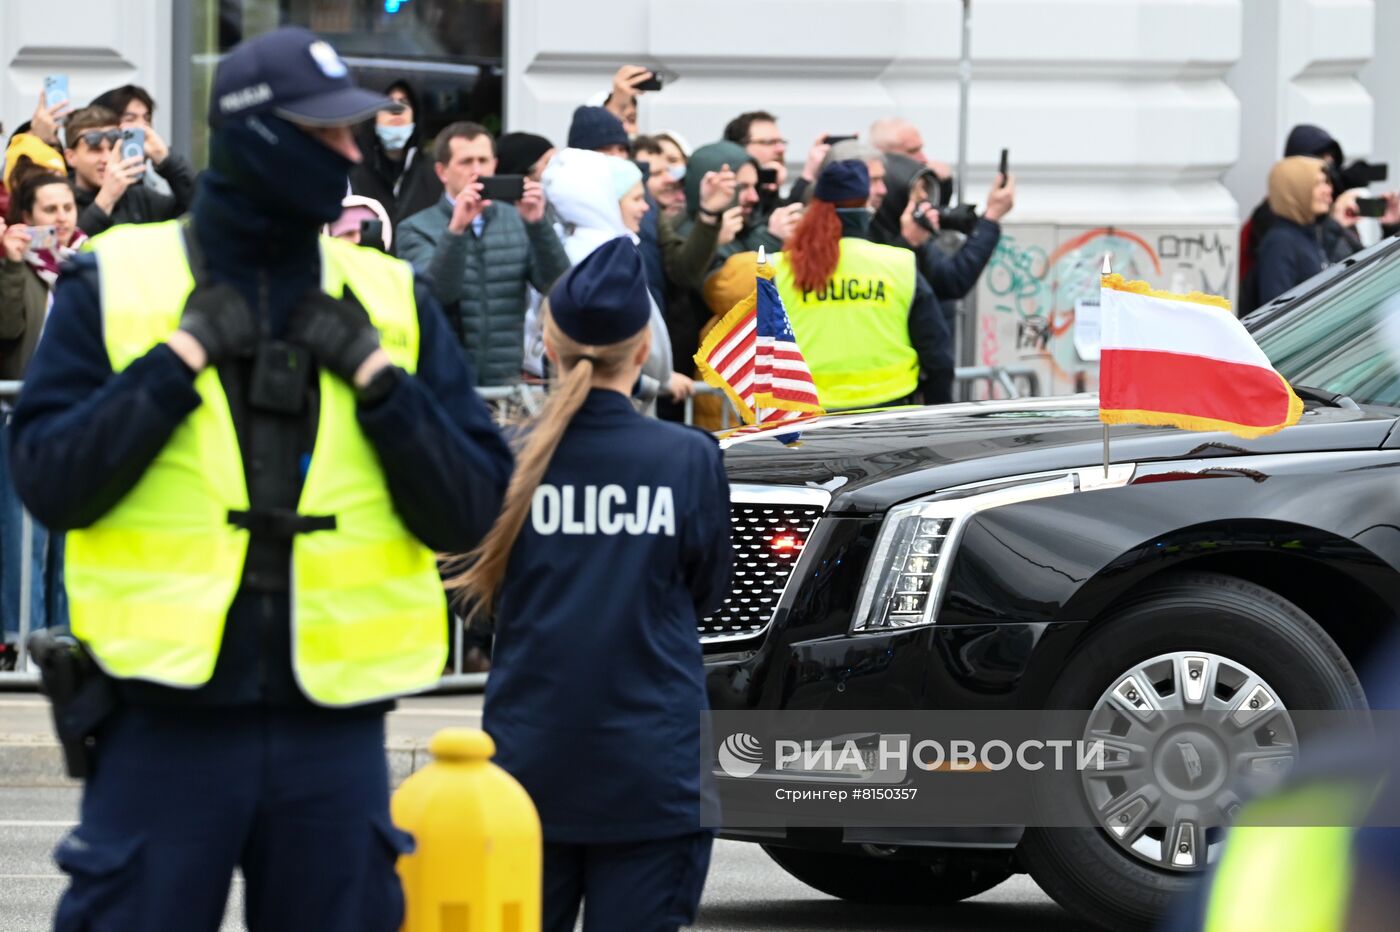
(753, 357)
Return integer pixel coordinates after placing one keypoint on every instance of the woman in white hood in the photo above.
(599, 198)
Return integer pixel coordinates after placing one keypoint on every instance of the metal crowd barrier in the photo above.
(529, 398)
(1003, 377)
(21, 675)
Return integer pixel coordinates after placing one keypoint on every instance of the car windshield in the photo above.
(1347, 340)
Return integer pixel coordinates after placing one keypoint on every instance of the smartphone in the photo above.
(1370, 206)
(767, 176)
(42, 238)
(55, 89)
(833, 140)
(372, 234)
(652, 83)
(503, 187)
(133, 142)
(1003, 168)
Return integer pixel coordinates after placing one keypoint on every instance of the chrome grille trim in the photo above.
(758, 514)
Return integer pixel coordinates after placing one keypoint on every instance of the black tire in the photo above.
(862, 878)
(1083, 869)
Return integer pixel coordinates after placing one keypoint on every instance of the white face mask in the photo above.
(394, 138)
(677, 172)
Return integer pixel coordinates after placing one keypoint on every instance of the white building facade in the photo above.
(1144, 128)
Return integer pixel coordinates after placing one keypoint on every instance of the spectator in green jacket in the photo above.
(481, 254)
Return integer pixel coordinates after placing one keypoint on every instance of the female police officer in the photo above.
(614, 537)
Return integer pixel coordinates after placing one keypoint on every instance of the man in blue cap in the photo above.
(257, 439)
(613, 541)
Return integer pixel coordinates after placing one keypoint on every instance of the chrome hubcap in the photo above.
(1186, 737)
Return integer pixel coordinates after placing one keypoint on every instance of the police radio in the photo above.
(281, 374)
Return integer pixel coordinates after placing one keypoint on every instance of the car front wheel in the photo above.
(1189, 687)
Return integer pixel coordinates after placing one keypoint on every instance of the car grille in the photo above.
(768, 539)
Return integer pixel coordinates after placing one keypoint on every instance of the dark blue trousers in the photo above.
(642, 886)
(299, 799)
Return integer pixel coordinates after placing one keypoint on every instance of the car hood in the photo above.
(871, 460)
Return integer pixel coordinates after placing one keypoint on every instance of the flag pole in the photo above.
(965, 329)
(1107, 270)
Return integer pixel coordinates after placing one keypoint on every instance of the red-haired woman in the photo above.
(866, 321)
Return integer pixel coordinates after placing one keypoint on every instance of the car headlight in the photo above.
(909, 569)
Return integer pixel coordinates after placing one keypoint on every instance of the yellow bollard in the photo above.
(478, 862)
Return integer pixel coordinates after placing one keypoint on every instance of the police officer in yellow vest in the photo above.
(1321, 854)
(256, 440)
(867, 322)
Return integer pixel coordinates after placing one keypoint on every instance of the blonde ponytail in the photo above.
(475, 578)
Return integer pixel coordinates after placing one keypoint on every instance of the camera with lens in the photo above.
(961, 219)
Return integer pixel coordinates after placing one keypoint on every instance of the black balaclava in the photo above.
(280, 169)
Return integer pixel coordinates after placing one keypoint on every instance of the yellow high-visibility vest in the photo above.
(1281, 876)
(150, 582)
(854, 333)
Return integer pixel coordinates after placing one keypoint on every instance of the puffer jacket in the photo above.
(480, 280)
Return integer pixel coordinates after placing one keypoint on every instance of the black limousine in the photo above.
(977, 556)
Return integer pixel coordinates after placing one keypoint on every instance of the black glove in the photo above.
(221, 321)
(336, 330)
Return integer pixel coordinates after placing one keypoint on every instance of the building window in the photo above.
(450, 51)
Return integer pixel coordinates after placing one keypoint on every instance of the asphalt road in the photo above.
(745, 891)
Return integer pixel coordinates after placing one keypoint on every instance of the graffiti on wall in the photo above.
(1038, 275)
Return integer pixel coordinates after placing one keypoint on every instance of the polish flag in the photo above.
(1185, 361)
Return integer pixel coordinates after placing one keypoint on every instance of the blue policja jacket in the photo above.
(83, 436)
(597, 683)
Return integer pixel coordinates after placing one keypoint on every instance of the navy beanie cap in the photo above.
(843, 181)
(596, 128)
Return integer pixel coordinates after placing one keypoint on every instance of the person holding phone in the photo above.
(167, 173)
(49, 115)
(612, 770)
(108, 181)
(42, 233)
(757, 131)
(628, 85)
(909, 218)
(481, 253)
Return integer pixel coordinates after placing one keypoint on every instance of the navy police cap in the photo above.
(604, 298)
(294, 74)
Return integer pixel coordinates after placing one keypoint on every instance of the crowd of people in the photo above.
(491, 259)
(491, 251)
(264, 445)
(1309, 219)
